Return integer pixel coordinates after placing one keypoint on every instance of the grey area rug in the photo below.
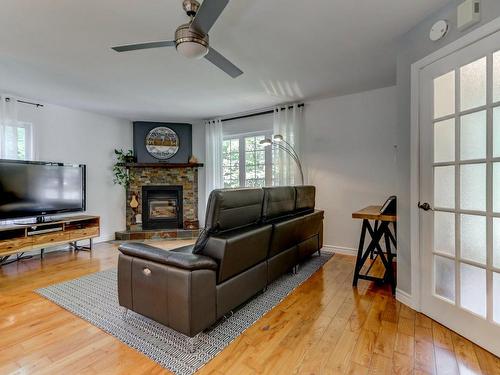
(94, 298)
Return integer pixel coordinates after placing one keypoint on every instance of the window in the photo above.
(246, 163)
(231, 162)
(16, 141)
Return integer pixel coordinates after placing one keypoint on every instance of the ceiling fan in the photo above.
(191, 39)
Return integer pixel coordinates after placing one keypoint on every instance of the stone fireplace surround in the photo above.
(156, 174)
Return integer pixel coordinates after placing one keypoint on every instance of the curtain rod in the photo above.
(30, 103)
(257, 113)
(25, 102)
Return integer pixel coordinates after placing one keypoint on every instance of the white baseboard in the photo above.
(340, 250)
(405, 298)
(105, 238)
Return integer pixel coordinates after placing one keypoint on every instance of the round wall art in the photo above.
(162, 143)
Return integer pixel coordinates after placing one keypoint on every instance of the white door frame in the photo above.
(468, 39)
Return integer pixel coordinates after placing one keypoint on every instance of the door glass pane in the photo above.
(473, 136)
(496, 242)
(496, 187)
(473, 85)
(473, 187)
(444, 141)
(473, 238)
(496, 76)
(496, 297)
(444, 95)
(444, 187)
(496, 132)
(473, 289)
(444, 276)
(444, 232)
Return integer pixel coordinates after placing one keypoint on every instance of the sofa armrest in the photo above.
(181, 259)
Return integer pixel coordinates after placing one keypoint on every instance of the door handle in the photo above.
(425, 206)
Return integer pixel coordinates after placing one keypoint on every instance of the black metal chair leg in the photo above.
(359, 257)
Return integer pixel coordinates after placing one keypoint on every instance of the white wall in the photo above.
(73, 136)
(350, 155)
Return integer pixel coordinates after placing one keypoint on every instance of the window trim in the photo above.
(242, 155)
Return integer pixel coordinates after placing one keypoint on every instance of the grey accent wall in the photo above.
(414, 46)
(184, 132)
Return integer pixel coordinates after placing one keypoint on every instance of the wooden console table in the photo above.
(381, 229)
(20, 238)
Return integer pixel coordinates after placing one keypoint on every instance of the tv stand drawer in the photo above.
(18, 244)
(47, 239)
(84, 233)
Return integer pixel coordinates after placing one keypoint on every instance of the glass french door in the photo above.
(460, 179)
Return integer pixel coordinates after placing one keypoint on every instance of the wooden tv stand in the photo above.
(20, 238)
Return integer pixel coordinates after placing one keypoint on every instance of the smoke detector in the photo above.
(438, 30)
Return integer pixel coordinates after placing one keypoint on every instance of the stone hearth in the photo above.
(168, 234)
(185, 175)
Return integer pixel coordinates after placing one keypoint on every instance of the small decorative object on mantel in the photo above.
(120, 172)
(193, 160)
(191, 224)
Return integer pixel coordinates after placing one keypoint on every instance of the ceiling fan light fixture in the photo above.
(190, 43)
(192, 50)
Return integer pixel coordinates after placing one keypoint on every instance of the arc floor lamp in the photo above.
(278, 142)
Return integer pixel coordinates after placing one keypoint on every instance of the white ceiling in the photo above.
(57, 51)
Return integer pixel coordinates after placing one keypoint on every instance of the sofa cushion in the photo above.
(305, 198)
(229, 209)
(279, 203)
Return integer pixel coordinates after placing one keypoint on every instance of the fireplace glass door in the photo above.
(162, 207)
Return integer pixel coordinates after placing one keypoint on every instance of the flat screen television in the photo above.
(35, 189)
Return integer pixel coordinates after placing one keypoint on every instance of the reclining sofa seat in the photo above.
(238, 242)
(297, 227)
(251, 237)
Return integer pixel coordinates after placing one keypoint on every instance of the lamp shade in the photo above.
(278, 138)
(266, 142)
(192, 50)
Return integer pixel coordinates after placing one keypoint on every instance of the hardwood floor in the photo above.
(324, 327)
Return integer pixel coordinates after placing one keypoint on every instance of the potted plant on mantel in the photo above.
(121, 175)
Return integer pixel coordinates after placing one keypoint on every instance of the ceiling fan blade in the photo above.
(148, 45)
(208, 13)
(222, 63)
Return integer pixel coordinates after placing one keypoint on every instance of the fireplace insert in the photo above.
(162, 207)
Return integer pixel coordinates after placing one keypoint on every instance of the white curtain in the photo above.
(288, 122)
(213, 157)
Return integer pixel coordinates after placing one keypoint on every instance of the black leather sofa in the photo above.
(251, 238)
